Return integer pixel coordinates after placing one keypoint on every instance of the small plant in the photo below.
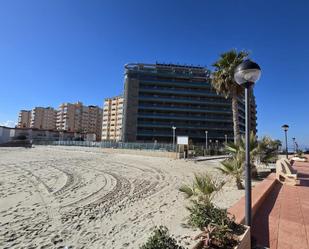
(204, 187)
(216, 236)
(161, 239)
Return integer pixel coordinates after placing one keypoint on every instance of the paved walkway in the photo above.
(282, 222)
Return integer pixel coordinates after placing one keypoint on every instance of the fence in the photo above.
(111, 144)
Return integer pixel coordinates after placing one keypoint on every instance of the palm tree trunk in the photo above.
(235, 117)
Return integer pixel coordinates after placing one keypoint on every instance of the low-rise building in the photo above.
(5, 134)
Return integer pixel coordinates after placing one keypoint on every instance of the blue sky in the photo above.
(57, 51)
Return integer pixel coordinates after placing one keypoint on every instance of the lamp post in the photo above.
(246, 74)
(294, 143)
(285, 127)
(225, 138)
(206, 141)
(174, 134)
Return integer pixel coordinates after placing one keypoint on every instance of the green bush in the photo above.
(203, 214)
(218, 229)
(161, 239)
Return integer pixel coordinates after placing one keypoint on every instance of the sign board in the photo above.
(183, 140)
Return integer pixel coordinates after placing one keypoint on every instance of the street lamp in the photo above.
(285, 127)
(174, 133)
(294, 143)
(246, 74)
(206, 142)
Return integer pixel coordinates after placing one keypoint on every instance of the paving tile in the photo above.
(282, 222)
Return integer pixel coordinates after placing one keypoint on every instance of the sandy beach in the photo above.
(77, 197)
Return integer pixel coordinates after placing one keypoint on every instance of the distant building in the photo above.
(94, 124)
(24, 119)
(43, 118)
(112, 118)
(159, 96)
(8, 134)
(75, 117)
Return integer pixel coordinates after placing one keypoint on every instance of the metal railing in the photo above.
(110, 144)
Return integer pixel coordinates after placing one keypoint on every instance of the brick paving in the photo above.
(282, 222)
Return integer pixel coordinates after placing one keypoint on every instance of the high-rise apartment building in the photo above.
(79, 118)
(68, 117)
(24, 119)
(43, 118)
(94, 125)
(112, 118)
(160, 96)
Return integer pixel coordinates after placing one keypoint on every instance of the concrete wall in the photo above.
(4, 134)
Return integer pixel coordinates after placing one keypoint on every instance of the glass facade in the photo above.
(159, 96)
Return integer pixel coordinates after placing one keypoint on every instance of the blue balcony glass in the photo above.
(189, 118)
(189, 127)
(183, 100)
(204, 85)
(183, 109)
(180, 92)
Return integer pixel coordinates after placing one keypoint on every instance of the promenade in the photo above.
(282, 221)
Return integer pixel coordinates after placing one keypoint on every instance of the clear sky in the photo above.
(56, 51)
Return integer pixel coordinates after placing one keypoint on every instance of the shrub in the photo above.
(203, 188)
(161, 239)
(300, 154)
(203, 214)
(21, 137)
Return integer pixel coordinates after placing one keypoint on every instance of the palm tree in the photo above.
(268, 150)
(238, 151)
(224, 83)
(204, 187)
(233, 167)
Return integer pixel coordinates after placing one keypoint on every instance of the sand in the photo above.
(77, 197)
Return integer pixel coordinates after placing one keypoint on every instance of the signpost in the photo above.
(184, 140)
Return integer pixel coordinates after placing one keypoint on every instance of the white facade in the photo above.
(5, 134)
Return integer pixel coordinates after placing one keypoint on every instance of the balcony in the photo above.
(183, 100)
(197, 92)
(172, 117)
(189, 127)
(205, 85)
(182, 109)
